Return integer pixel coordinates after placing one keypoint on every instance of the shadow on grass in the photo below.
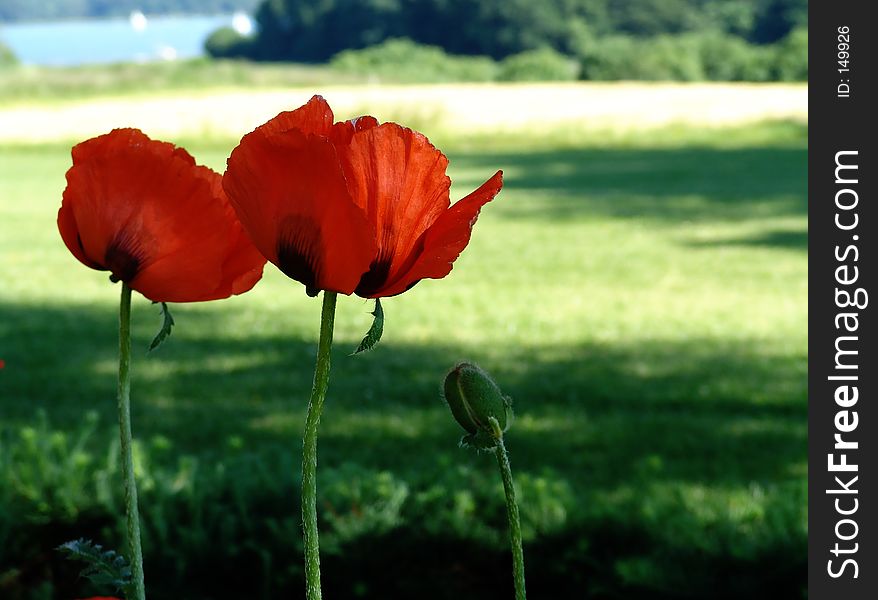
(780, 239)
(716, 412)
(596, 418)
(665, 184)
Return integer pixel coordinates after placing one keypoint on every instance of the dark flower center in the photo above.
(378, 275)
(123, 259)
(298, 250)
(375, 278)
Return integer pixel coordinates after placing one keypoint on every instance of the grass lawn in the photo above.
(642, 298)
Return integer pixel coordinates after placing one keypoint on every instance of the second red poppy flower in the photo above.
(350, 207)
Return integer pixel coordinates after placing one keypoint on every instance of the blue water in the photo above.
(111, 40)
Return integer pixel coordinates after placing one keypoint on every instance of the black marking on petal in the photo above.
(375, 278)
(123, 258)
(298, 251)
(378, 275)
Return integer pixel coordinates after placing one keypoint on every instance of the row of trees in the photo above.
(315, 30)
(752, 40)
(684, 57)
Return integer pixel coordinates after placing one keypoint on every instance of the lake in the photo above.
(137, 38)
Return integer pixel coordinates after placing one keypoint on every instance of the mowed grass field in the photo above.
(641, 295)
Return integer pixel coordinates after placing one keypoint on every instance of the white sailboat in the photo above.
(242, 23)
(137, 20)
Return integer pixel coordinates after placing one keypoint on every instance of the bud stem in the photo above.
(124, 398)
(309, 455)
(511, 511)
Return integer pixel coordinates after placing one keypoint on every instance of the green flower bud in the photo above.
(474, 398)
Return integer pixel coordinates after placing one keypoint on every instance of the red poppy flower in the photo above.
(352, 206)
(144, 211)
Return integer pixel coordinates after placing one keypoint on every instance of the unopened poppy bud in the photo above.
(474, 398)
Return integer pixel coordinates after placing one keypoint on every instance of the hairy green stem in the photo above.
(309, 455)
(135, 552)
(514, 519)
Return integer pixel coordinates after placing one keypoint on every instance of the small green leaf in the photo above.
(165, 331)
(375, 331)
(104, 568)
(480, 440)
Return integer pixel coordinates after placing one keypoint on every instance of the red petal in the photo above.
(398, 178)
(445, 239)
(240, 272)
(70, 234)
(290, 195)
(211, 262)
(95, 198)
(313, 117)
(142, 209)
(343, 131)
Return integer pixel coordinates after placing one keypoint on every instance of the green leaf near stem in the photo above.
(375, 331)
(480, 440)
(104, 567)
(165, 331)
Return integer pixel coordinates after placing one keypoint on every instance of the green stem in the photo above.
(514, 520)
(309, 455)
(124, 396)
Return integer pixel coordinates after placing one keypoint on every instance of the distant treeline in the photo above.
(491, 40)
(31, 10)
(524, 40)
(316, 30)
(683, 57)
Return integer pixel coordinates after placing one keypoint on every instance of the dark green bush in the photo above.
(672, 58)
(652, 59)
(791, 57)
(544, 64)
(225, 42)
(710, 56)
(730, 58)
(7, 57)
(228, 527)
(404, 60)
